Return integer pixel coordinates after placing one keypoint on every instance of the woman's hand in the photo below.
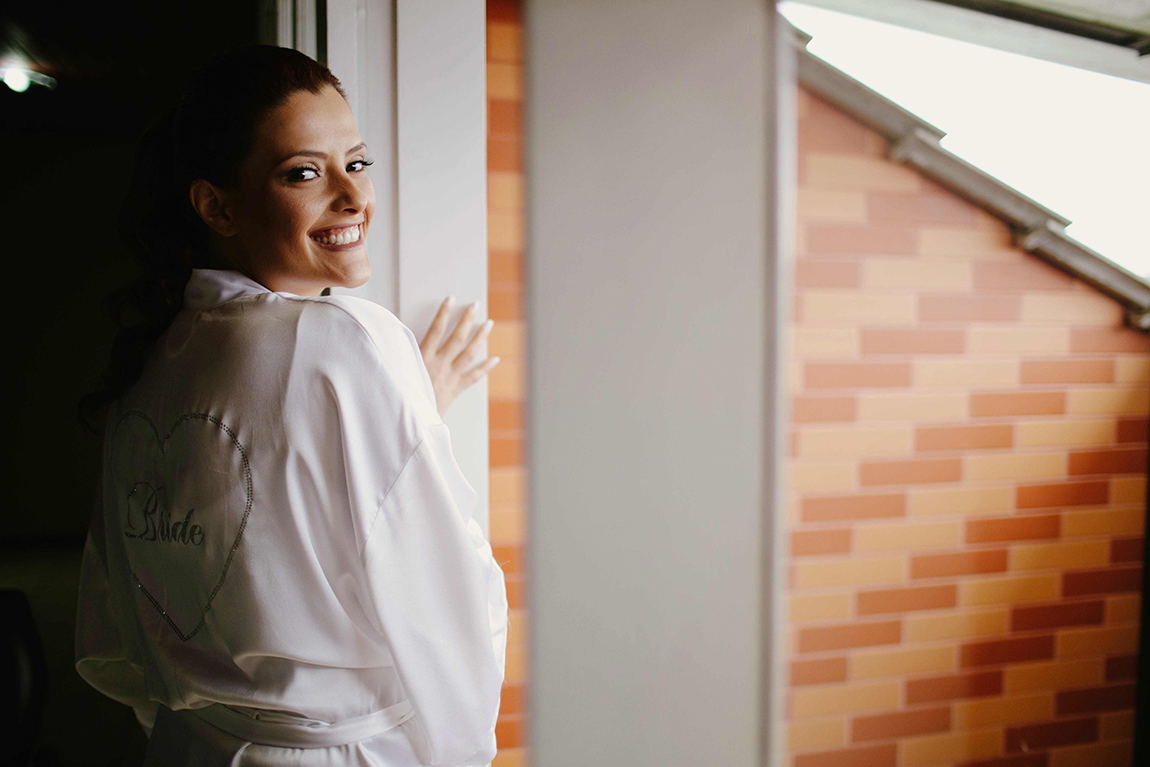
(452, 367)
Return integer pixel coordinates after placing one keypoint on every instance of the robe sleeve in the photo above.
(441, 605)
(102, 659)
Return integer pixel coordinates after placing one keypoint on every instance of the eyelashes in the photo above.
(310, 172)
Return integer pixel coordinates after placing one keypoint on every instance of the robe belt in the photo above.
(275, 729)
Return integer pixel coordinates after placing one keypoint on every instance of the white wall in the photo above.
(653, 431)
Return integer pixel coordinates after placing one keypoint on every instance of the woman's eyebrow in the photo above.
(319, 155)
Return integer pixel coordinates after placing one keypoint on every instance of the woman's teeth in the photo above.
(338, 236)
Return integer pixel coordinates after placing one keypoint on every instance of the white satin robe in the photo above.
(282, 529)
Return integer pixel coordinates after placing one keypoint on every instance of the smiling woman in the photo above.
(283, 564)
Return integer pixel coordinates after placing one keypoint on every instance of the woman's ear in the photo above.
(210, 203)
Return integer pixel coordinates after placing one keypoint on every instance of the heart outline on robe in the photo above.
(162, 443)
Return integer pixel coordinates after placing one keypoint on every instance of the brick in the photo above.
(831, 206)
(822, 409)
(900, 724)
(1110, 580)
(880, 755)
(504, 191)
(504, 41)
(1117, 461)
(1013, 590)
(907, 599)
(1047, 556)
(511, 699)
(913, 472)
(1095, 700)
(946, 749)
(1126, 550)
(844, 306)
(912, 407)
(908, 537)
(503, 156)
(1121, 668)
(505, 416)
(978, 437)
(509, 731)
(999, 651)
(855, 375)
(964, 372)
(516, 592)
(1131, 370)
(509, 558)
(504, 81)
(822, 476)
(1084, 308)
(1128, 490)
(815, 608)
(1018, 760)
(1110, 401)
(929, 628)
(918, 208)
(1056, 675)
(953, 687)
(504, 267)
(829, 700)
(1067, 371)
(975, 500)
(958, 563)
(1035, 737)
(990, 405)
(912, 341)
(1132, 430)
(962, 241)
(854, 441)
(999, 712)
(805, 543)
(902, 662)
(1021, 275)
(827, 274)
(1064, 433)
(818, 671)
(507, 380)
(849, 635)
(1103, 522)
(1124, 608)
(1058, 615)
(823, 343)
(1117, 726)
(1022, 528)
(1079, 643)
(1098, 340)
(957, 307)
(850, 173)
(840, 507)
(1062, 494)
(881, 273)
(850, 572)
(504, 118)
(829, 130)
(1017, 340)
(1117, 754)
(860, 239)
(816, 734)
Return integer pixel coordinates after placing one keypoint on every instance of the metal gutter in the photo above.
(915, 142)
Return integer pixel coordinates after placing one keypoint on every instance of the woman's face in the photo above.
(304, 202)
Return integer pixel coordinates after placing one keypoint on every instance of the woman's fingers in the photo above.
(471, 353)
(458, 338)
(472, 376)
(430, 341)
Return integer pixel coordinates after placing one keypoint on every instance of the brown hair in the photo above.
(208, 135)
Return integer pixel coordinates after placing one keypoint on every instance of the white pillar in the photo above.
(654, 415)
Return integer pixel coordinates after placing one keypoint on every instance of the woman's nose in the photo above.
(349, 195)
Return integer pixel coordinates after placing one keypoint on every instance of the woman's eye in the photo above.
(302, 173)
(357, 165)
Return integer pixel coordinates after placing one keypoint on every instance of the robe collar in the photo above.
(212, 287)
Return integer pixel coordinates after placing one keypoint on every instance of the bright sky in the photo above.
(1075, 141)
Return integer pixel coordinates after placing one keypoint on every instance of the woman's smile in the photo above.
(339, 237)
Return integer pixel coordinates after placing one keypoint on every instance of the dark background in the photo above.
(67, 159)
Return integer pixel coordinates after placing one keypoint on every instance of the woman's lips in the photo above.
(339, 237)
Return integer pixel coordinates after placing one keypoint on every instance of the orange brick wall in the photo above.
(968, 476)
(506, 382)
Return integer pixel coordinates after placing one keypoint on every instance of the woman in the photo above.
(282, 567)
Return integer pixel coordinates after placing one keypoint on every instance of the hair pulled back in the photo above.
(207, 136)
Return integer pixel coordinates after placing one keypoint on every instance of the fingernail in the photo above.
(487, 325)
(475, 305)
(495, 360)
